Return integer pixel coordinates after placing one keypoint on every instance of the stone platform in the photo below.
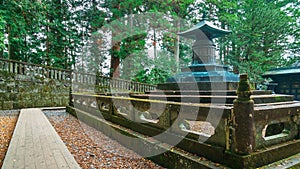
(217, 96)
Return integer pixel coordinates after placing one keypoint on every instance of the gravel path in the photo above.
(92, 149)
(8, 120)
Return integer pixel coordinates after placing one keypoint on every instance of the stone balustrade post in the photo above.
(243, 136)
(16, 68)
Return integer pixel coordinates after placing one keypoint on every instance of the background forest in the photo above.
(65, 34)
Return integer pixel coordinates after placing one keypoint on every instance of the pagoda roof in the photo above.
(204, 29)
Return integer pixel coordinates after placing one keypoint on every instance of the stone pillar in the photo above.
(243, 141)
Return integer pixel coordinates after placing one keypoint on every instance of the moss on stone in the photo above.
(21, 91)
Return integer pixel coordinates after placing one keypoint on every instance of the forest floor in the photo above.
(8, 122)
(92, 149)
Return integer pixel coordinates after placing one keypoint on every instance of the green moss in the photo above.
(279, 98)
(244, 90)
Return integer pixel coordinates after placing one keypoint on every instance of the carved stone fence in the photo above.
(30, 85)
(152, 117)
(238, 135)
(34, 70)
(91, 83)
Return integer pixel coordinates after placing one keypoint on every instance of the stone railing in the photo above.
(25, 85)
(27, 69)
(83, 82)
(246, 135)
(91, 83)
(152, 117)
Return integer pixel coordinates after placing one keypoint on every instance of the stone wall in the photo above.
(24, 85)
(22, 91)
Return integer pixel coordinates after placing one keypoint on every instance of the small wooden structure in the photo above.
(287, 79)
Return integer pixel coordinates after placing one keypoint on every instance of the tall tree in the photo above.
(293, 9)
(56, 31)
(39, 31)
(2, 27)
(15, 28)
(179, 11)
(259, 38)
(116, 10)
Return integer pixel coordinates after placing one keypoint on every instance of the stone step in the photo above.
(258, 99)
(277, 105)
(205, 92)
(198, 86)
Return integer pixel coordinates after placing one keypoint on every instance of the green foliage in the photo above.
(116, 12)
(42, 32)
(293, 9)
(53, 32)
(179, 12)
(93, 55)
(259, 38)
(185, 48)
(156, 70)
(2, 27)
(153, 76)
(262, 38)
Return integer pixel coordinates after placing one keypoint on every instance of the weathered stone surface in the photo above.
(7, 105)
(21, 91)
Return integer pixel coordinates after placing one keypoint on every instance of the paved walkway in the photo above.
(36, 145)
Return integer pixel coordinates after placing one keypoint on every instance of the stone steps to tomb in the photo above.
(258, 99)
(205, 92)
